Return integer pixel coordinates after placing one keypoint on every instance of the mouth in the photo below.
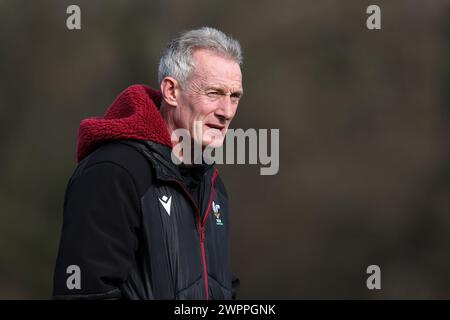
(218, 127)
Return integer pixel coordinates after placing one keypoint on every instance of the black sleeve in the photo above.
(99, 234)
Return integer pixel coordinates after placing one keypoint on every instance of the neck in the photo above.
(167, 113)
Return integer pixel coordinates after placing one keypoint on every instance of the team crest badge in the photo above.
(216, 208)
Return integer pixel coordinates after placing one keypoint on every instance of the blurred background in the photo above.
(364, 130)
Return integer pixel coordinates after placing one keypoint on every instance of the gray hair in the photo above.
(177, 60)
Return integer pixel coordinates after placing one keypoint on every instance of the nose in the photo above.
(226, 110)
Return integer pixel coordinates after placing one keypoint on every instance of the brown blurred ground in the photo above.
(364, 124)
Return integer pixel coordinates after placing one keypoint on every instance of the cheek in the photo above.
(189, 107)
(204, 109)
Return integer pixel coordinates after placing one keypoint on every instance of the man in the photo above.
(137, 225)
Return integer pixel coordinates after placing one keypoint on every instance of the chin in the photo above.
(213, 138)
(213, 142)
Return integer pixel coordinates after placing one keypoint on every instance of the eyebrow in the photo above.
(237, 93)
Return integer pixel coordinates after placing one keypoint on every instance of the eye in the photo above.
(235, 97)
(212, 93)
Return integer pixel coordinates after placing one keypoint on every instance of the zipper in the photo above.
(201, 225)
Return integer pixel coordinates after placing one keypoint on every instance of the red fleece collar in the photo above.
(133, 115)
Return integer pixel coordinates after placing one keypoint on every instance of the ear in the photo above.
(169, 91)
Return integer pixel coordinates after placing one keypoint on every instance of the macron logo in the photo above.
(166, 203)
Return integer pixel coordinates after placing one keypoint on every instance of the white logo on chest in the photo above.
(166, 203)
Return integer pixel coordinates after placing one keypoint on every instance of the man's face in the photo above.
(210, 98)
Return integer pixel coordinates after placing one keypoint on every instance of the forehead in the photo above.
(214, 69)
